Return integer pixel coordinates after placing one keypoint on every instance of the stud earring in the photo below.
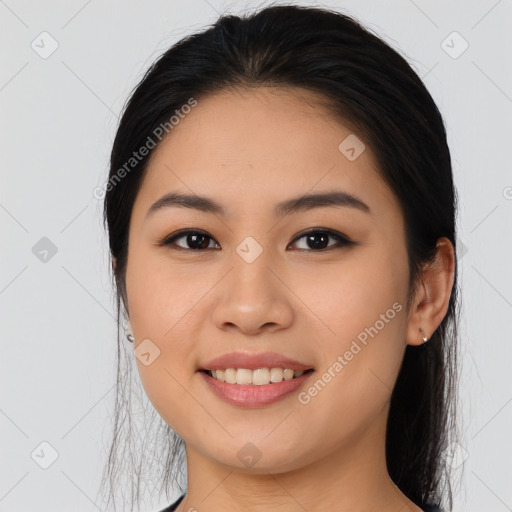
(424, 338)
(128, 334)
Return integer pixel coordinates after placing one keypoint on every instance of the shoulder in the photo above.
(173, 506)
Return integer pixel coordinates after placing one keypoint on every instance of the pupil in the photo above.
(313, 244)
(192, 241)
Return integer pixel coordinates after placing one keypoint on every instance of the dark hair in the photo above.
(369, 87)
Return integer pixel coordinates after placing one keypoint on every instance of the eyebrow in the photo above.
(304, 202)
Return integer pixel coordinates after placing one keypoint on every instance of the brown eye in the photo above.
(318, 240)
(192, 240)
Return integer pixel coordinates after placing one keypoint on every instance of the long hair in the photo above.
(369, 87)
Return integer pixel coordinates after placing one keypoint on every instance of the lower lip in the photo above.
(254, 396)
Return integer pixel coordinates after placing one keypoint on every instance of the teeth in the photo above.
(288, 374)
(276, 374)
(243, 376)
(230, 375)
(258, 377)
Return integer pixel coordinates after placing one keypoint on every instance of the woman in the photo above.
(281, 219)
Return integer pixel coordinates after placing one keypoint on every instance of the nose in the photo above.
(252, 298)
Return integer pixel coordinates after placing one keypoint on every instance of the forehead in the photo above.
(263, 143)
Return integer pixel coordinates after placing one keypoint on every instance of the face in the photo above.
(322, 284)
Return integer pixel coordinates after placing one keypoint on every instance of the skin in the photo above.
(250, 150)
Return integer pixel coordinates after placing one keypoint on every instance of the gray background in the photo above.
(58, 117)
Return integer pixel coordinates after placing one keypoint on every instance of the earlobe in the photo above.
(433, 294)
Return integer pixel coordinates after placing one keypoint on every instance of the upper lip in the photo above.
(254, 361)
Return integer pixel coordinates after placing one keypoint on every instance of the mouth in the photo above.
(258, 377)
(252, 389)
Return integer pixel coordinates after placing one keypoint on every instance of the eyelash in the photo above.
(342, 240)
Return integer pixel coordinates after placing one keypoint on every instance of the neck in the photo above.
(352, 477)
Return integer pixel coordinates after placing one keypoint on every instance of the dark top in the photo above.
(172, 506)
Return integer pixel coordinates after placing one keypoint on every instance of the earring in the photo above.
(128, 334)
(425, 339)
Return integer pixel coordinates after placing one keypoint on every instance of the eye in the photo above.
(194, 240)
(317, 239)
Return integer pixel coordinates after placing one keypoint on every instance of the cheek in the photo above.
(351, 296)
(168, 306)
(366, 329)
(359, 365)
(361, 343)
(159, 295)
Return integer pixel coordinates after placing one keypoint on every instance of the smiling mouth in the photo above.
(259, 377)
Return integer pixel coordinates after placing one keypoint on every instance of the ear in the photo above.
(432, 296)
(114, 264)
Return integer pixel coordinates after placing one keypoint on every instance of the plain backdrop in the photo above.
(58, 117)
